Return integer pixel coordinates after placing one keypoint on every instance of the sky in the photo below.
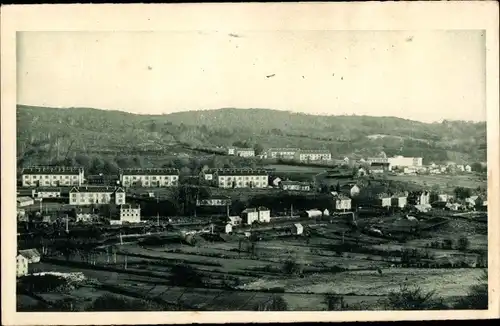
(420, 75)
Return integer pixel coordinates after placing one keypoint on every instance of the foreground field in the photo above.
(237, 274)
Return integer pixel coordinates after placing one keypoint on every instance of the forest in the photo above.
(103, 140)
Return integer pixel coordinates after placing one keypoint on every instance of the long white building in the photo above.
(305, 155)
(154, 177)
(52, 176)
(89, 195)
(283, 153)
(241, 178)
(401, 161)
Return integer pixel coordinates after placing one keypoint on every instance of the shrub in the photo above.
(110, 302)
(275, 303)
(463, 244)
(413, 299)
(335, 303)
(291, 267)
(185, 275)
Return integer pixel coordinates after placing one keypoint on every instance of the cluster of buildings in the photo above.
(297, 154)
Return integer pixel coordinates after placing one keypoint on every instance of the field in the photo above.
(445, 182)
(238, 274)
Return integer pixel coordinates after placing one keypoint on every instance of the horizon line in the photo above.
(321, 114)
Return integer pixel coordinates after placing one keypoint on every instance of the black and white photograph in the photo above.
(253, 170)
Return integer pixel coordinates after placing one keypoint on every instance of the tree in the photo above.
(463, 243)
(414, 298)
(258, 148)
(335, 302)
(462, 193)
(185, 275)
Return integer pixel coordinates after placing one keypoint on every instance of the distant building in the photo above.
(460, 168)
(208, 174)
(228, 228)
(311, 213)
(264, 215)
(21, 265)
(326, 212)
(350, 189)
(154, 177)
(410, 170)
(276, 182)
(102, 180)
(52, 176)
(342, 202)
(235, 220)
(468, 168)
(88, 195)
(297, 229)
(242, 178)
(295, 186)
(250, 215)
(24, 201)
(383, 200)
(46, 192)
(443, 198)
(214, 201)
(130, 213)
(84, 215)
(245, 152)
(361, 172)
(399, 200)
(402, 162)
(32, 255)
(21, 215)
(231, 151)
(421, 198)
(306, 155)
(281, 153)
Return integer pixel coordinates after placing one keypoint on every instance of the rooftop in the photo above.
(241, 172)
(315, 151)
(29, 253)
(96, 189)
(130, 206)
(149, 171)
(283, 149)
(52, 170)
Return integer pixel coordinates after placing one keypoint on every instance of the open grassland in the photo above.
(444, 181)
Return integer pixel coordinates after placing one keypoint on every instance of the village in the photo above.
(297, 220)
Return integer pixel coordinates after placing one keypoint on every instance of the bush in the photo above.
(335, 303)
(463, 244)
(413, 299)
(110, 302)
(276, 303)
(291, 267)
(185, 275)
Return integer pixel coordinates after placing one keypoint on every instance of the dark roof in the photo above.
(379, 164)
(52, 170)
(129, 206)
(96, 189)
(150, 171)
(284, 149)
(29, 253)
(47, 189)
(241, 172)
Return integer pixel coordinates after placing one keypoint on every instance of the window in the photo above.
(46, 177)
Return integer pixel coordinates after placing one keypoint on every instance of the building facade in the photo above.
(21, 265)
(89, 195)
(161, 177)
(264, 215)
(130, 213)
(241, 178)
(307, 155)
(401, 161)
(250, 215)
(297, 229)
(46, 193)
(52, 176)
(281, 153)
(244, 152)
(295, 186)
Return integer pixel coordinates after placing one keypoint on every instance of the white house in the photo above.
(235, 220)
(150, 177)
(130, 213)
(384, 200)
(297, 228)
(32, 255)
(52, 176)
(228, 228)
(241, 178)
(245, 152)
(460, 168)
(46, 192)
(24, 201)
(400, 200)
(313, 213)
(281, 153)
(468, 168)
(350, 189)
(21, 265)
(326, 212)
(342, 202)
(264, 215)
(313, 155)
(250, 215)
(231, 151)
(295, 186)
(401, 161)
(88, 195)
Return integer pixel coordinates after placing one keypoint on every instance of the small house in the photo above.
(326, 212)
(399, 200)
(21, 215)
(468, 168)
(24, 201)
(295, 186)
(32, 255)
(264, 215)
(443, 198)
(384, 200)
(361, 172)
(46, 192)
(297, 229)
(350, 189)
(460, 168)
(250, 215)
(130, 213)
(21, 265)
(235, 220)
(231, 151)
(342, 202)
(228, 228)
(276, 182)
(311, 213)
